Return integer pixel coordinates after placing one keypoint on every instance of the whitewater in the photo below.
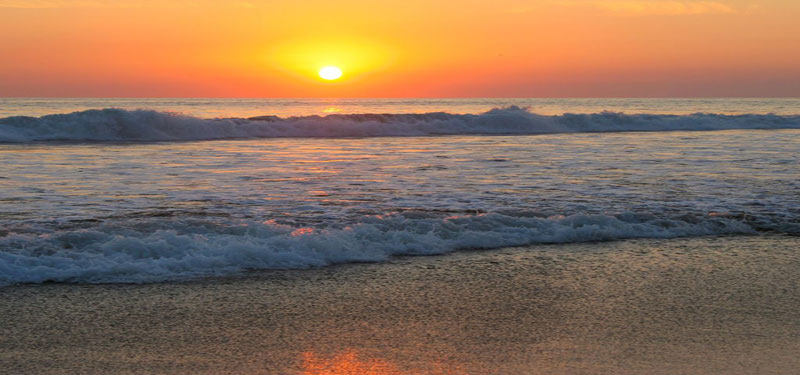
(120, 125)
(171, 192)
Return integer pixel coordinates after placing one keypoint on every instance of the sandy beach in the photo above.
(709, 305)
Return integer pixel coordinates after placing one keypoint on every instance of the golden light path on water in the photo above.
(352, 362)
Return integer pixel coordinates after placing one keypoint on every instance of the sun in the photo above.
(330, 73)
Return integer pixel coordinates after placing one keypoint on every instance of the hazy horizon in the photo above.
(406, 97)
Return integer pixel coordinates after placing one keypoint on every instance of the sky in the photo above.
(409, 48)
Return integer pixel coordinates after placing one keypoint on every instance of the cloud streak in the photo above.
(662, 8)
(51, 4)
(45, 4)
(634, 7)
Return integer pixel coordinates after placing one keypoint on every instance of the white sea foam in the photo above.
(156, 250)
(118, 125)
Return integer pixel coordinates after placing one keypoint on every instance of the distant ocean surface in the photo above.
(221, 108)
(146, 190)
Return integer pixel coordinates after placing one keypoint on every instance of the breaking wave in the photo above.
(118, 125)
(150, 250)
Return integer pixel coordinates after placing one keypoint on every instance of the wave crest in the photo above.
(118, 125)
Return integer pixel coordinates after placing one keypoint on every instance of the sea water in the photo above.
(145, 190)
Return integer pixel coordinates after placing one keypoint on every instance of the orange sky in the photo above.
(410, 48)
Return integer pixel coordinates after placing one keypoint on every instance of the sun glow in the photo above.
(332, 66)
(330, 73)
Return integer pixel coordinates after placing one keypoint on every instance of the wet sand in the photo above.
(712, 305)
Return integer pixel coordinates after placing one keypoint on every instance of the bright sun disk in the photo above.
(330, 73)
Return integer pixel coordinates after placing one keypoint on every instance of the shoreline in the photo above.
(703, 305)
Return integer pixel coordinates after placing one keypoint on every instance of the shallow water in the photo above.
(125, 195)
(158, 211)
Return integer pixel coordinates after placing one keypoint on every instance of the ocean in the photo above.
(159, 190)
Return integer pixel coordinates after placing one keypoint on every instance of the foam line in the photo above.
(169, 249)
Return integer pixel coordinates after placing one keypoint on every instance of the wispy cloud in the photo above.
(635, 7)
(45, 4)
(660, 8)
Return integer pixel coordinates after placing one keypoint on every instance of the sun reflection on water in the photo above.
(354, 362)
(346, 363)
